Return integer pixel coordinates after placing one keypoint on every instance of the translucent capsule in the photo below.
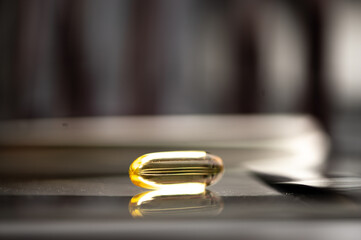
(190, 170)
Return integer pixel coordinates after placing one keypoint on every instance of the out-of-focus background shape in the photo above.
(100, 58)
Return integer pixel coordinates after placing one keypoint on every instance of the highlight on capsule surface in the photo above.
(191, 170)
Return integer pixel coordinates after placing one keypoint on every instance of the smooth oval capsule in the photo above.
(187, 169)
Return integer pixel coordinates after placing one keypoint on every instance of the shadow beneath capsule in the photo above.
(160, 204)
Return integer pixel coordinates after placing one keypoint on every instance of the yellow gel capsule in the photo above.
(190, 170)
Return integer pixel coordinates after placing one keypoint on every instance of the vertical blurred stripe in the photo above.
(317, 101)
(105, 29)
(176, 46)
(43, 88)
(343, 55)
(213, 59)
(75, 79)
(8, 22)
(283, 53)
(29, 53)
(144, 68)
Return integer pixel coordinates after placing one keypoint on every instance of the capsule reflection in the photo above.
(162, 204)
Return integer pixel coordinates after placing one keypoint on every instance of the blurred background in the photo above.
(62, 58)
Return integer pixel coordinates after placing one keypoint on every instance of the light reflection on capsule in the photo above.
(159, 203)
(176, 170)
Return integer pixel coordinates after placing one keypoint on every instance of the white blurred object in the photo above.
(110, 144)
(344, 50)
